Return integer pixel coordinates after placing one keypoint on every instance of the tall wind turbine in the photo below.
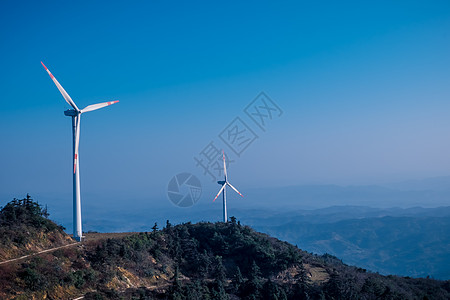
(224, 189)
(75, 113)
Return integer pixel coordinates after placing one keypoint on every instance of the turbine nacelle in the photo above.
(221, 182)
(71, 113)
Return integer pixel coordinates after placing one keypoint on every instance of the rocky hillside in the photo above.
(25, 229)
(199, 261)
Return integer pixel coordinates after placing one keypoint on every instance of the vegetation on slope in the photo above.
(201, 261)
(25, 228)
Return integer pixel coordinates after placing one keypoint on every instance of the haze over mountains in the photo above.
(431, 192)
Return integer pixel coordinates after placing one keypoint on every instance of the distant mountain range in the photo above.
(413, 242)
(441, 183)
(431, 193)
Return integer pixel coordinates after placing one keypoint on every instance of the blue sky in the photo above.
(364, 88)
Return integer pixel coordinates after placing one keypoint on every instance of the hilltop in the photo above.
(191, 261)
(25, 229)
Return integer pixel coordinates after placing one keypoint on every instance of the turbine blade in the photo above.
(61, 89)
(220, 191)
(97, 106)
(229, 184)
(77, 143)
(224, 165)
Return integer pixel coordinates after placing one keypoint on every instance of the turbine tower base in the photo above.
(79, 238)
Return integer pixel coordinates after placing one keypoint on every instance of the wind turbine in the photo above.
(75, 113)
(223, 189)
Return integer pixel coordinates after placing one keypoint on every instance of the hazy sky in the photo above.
(364, 90)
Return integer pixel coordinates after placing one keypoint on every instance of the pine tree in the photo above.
(237, 280)
(176, 290)
(155, 227)
(272, 291)
(255, 272)
(220, 271)
(218, 292)
(252, 288)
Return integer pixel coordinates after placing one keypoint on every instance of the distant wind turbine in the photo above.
(224, 189)
(75, 113)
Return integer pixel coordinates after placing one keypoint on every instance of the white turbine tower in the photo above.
(224, 189)
(75, 113)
